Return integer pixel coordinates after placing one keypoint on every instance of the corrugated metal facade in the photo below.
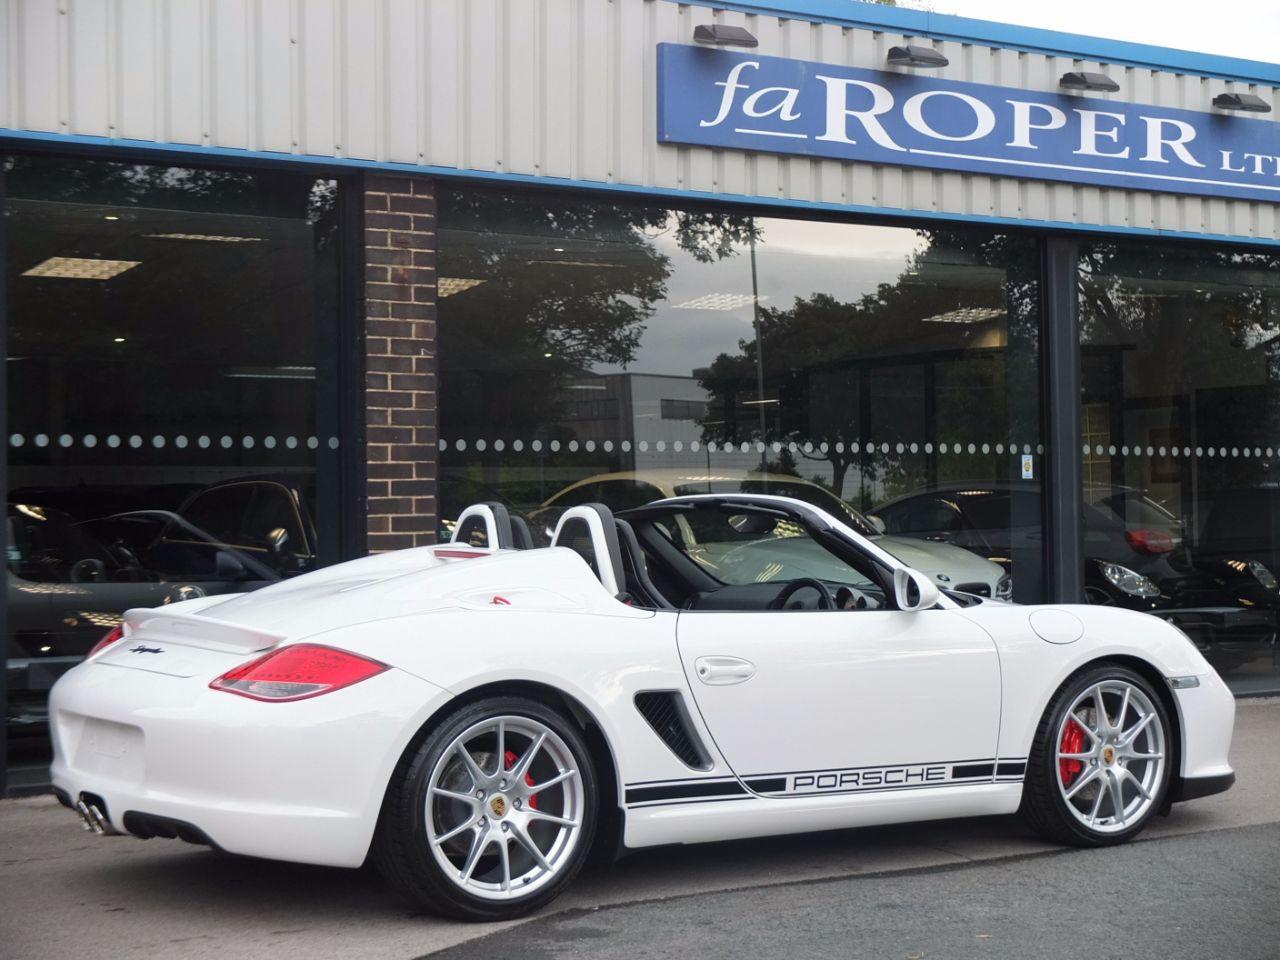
(545, 88)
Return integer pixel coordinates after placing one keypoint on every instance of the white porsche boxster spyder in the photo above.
(476, 718)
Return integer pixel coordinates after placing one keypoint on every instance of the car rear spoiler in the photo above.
(197, 630)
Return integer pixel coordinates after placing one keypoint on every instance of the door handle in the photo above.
(720, 671)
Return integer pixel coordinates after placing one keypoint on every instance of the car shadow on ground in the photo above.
(217, 883)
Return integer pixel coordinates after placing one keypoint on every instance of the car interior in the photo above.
(654, 557)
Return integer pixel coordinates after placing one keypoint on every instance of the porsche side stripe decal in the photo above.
(809, 783)
(685, 791)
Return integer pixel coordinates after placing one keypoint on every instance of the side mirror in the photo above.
(876, 522)
(913, 590)
(276, 540)
(227, 568)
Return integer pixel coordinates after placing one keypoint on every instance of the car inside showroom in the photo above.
(1005, 302)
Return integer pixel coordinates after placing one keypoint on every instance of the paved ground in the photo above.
(1207, 895)
(1201, 880)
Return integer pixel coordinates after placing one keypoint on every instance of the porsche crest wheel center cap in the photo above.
(498, 804)
(1108, 755)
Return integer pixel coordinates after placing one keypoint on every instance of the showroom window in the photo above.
(171, 399)
(1181, 395)
(596, 349)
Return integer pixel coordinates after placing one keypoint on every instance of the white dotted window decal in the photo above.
(899, 448)
(42, 439)
(157, 441)
(444, 444)
(928, 447)
(536, 446)
(481, 445)
(1111, 450)
(644, 446)
(942, 448)
(180, 441)
(291, 442)
(711, 447)
(16, 440)
(626, 446)
(65, 440)
(608, 446)
(1246, 451)
(986, 448)
(90, 440)
(554, 446)
(792, 448)
(269, 442)
(202, 442)
(517, 445)
(1124, 451)
(677, 446)
(225, 442)
(660, 446)
(823, 447)
(499, 445)
(113, 441)
(333, 443)
(759, 447)
(746, 447)
(313, 442)
(589, 446)
(915, 448)
(839, 446)
(695, 446)
(1235, 451)
(1222, 451)
(460, 445)
(1269, 452)
(1212, 451)
(972, 448)
(854, 447)
(808, 447)
(135, 441)
(247, 443)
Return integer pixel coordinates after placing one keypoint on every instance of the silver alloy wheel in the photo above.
(1109, 773)
(504, 807)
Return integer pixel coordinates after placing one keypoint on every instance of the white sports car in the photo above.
(475, 718)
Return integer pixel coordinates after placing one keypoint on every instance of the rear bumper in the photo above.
(299, 781)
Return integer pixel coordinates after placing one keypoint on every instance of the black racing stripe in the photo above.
(873, 766)
(1011, 769)
(896, 788)
(685, 803)
(768, 784)
(682, 791)
(972, 770)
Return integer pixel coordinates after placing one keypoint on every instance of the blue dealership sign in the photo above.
(742, 101)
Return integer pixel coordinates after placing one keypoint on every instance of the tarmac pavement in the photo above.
(70, 894)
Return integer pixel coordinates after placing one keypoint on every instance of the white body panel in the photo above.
(877, 688)
(909, 694)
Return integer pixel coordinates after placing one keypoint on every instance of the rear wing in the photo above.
(197, 630)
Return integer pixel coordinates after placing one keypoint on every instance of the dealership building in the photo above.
(287, 282)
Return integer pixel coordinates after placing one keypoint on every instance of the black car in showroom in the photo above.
(77, 558)
(1137, 555)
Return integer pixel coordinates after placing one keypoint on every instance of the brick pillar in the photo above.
(400, 361)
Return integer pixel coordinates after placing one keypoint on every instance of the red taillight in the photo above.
(1150, 541)
(296, 673)
(113, 635)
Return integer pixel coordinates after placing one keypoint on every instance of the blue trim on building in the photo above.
(182, 152)
(940, 26)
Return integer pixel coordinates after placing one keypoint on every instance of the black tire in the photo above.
(1043, 806)
(401, 848)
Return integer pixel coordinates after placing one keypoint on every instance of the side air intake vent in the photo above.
(665, 711)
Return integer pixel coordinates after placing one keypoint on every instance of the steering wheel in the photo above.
(825, 600)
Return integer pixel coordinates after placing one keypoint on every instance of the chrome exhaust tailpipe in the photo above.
(94, 820)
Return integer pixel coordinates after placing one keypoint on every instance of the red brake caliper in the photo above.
(510, 759)
(1072, 742)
